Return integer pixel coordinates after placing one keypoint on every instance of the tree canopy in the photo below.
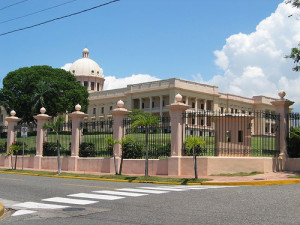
(28, 89)
(295, 52)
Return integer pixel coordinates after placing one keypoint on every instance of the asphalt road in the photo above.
(278, 204)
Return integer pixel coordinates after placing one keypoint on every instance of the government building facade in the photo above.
(153, 97)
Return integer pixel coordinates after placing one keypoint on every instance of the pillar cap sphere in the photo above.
(12, 112)
(120, 104)
(43, 110)
(281, 94)
(178, 97)
(77, 107)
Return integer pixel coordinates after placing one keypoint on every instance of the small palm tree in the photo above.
(190, 144)
(146, 121)
(13, 150)
(111, 143)
(56, 128)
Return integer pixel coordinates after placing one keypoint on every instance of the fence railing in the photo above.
(65, 137)
(233, 134)
(3, 139)
(159, 139)
(29, 141)
(93, 140)
(293, 147)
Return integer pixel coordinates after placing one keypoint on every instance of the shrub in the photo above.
(3, 148)
(294, 143)
(50, 149)
(132, 150)
(87, 149)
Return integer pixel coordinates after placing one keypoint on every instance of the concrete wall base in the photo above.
(173, 166)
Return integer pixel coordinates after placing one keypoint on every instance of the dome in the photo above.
(86, 66)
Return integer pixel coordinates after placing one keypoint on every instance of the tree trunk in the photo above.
(121, 165)
(147, 151)
(195, 164)
(58, 154)
(115, 162)
(16, 161)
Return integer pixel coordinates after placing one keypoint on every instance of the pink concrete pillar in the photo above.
(11, 123)
(41, 120)
(118, 132)
(77, 118)
(176, 110)
(282, 107)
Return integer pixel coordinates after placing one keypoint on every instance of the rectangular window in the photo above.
(94, 111)
(231, 110)
(236, 111)
(163, 102)
(193, 121)
(193, 105)
(250, 112)
(222, 109)
(152, 104)
(240, 136)
(92, 86)
(102, 110)
(86, 84)
(110, 107)
(202, 122)
(143, 105)
(202, 106)
(243, 111)
(98, 87)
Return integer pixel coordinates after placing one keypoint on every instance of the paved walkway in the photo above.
(258, 177)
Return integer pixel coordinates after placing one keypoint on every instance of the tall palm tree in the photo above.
(190, 144)
(146, 121)
(56, 126)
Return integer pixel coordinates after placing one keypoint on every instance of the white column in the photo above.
(160, 105)
(205, 109)
(140, 103)
(270, 125)
(196, 108)
(150, 104)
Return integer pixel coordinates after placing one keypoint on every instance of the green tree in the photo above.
(145, 121)
(56, 126)
(27, 89)
(295, 52)
(124, 143)
(111, 143)
(13, 150)
(192, 143)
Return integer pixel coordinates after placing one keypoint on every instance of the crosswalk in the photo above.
(83, 199)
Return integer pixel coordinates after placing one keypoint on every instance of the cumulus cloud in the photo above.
(111, 82)
(66, 67)
(254, 63)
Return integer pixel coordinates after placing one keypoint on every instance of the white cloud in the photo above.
(111, 82)
(254, 63)
(66, 67)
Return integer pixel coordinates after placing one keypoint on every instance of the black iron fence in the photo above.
(3, 139)
(159, 139)
(94, 139)
(232, 134)
(29, 140)
(294, 135)
(65, 137)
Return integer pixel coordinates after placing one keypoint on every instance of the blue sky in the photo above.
(160, 38)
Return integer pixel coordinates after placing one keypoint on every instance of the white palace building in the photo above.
(153, 97)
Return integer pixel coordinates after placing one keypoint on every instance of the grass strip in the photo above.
(242, 174)
(121, 178)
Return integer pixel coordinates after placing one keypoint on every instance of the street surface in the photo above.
(45, 200)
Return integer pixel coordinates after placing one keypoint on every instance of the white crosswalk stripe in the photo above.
(70, 201)
(129, 194)
(36, 205)
(143, 191)
(23, 212)
(163, 189)
(95, 196)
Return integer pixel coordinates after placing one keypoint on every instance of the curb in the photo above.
(236, 183)
(1, 210)
(253, 183)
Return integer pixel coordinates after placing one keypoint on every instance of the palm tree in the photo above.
(111, 143)
(146, 121)
(56, 128)
(192, 143)
(42, 93)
